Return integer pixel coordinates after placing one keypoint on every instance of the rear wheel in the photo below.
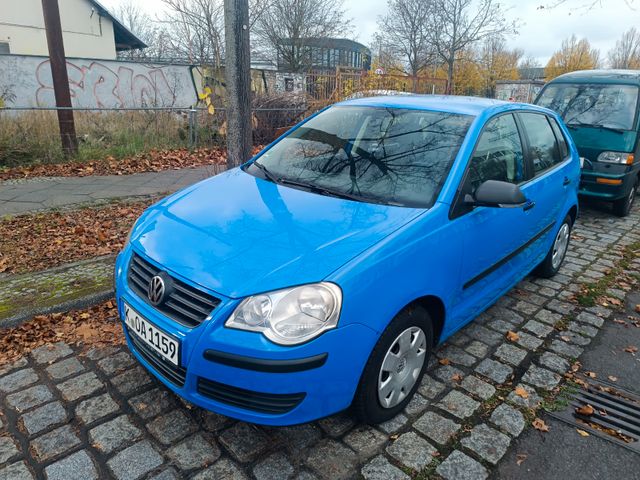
(623, 206)
(395, 367)
(553, 261)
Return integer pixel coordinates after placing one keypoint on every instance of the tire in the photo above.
(623, 206)
(552, 262)
(412, 323)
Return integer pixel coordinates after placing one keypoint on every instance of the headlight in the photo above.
(292, 315)
(616, 157)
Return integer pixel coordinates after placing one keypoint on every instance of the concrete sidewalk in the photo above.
(21, 196)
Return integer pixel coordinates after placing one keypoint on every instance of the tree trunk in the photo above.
(450, 65)
(238, 77)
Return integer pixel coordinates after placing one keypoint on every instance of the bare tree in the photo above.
(626, 53)
(196, 30)
(145, 28)
(284, 26)
(405, 32)
(457, 25)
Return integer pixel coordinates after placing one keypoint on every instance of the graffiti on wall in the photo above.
(100, 83)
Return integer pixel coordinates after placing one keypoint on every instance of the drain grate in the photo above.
(616, 413)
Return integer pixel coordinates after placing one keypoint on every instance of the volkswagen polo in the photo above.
(322, 273)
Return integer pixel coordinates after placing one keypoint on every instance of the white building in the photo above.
(88, 29)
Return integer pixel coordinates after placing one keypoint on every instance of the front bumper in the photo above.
(245, 376)
(590, 187)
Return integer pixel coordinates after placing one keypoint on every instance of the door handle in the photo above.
(528, 206)
(566, 181)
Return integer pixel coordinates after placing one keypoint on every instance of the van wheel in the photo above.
(553, 261)
(623, 206)
(395, 367)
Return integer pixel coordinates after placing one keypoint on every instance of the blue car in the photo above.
(322, 273)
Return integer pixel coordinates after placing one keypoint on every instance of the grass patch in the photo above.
(591, 292)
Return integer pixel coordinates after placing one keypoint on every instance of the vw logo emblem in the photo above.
(156, 290)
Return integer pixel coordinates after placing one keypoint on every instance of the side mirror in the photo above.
(494, 193)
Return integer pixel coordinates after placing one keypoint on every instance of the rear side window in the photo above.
(498, 154)
(543, 146)
(562, 141)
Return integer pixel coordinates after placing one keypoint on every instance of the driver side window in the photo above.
(498, 155)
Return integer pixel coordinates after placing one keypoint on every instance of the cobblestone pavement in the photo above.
(71, 415)
(20, 196)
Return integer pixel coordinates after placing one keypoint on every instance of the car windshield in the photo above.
(380, 155)
(598, 105)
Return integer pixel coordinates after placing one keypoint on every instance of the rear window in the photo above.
(543, 146)
(592, 105)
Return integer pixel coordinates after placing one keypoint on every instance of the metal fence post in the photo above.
(192, 127)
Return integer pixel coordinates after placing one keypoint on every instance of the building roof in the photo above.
(443, 103)
(326, 42)
(125, 38)
(531, 73)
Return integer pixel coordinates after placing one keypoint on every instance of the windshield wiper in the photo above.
(321, 190)
(269, 176)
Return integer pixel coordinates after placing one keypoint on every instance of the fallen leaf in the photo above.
(586, 410)
(619, 322)
(631, 349)
(521, 457)
(612, 378)
(539, 424)
(512, 336)
(582, 432)
(638, 308)
(444, 361)
(456, 377)
(521, 392)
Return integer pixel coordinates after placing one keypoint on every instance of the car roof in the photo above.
(600, 76)
(441, 103)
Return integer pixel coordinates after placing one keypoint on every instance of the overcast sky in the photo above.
(541, 30)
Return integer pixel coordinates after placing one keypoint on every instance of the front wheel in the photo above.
(623, 206)
(395, 367)
(553, 261)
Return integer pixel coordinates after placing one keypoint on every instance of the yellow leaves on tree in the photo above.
(573, 55)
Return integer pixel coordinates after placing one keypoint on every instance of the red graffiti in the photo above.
(98, 86)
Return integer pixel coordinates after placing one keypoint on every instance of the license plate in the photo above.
(160, 342)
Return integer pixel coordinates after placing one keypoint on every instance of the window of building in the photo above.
(4, 47)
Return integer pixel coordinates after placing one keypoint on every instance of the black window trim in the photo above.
(527, 145)
(454, 209)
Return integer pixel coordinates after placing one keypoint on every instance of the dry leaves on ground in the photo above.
(152, 161)
(586, 410)
(512, 336)
(539, 424)
(521, 392)
(92, 327)
(582, 432)
(44, 240)
(631, 349)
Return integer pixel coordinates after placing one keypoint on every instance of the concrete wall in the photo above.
(85, 33)
(25, 81)
(518, 91)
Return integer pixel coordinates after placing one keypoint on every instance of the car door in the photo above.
(549, 161)
(491, 237)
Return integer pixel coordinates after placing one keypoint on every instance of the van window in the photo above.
(498, 155)
(597, 105)
(543, 146)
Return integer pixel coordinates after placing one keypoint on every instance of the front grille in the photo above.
(171, 372)
(184, 304)
(273, 403)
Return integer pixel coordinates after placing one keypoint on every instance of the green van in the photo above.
(600, 107)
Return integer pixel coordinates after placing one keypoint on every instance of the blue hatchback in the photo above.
(322, 273)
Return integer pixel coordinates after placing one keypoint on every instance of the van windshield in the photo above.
(371, 154)
(593, 105)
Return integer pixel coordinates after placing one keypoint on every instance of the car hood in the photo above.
(239, 235)
(592, 141)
